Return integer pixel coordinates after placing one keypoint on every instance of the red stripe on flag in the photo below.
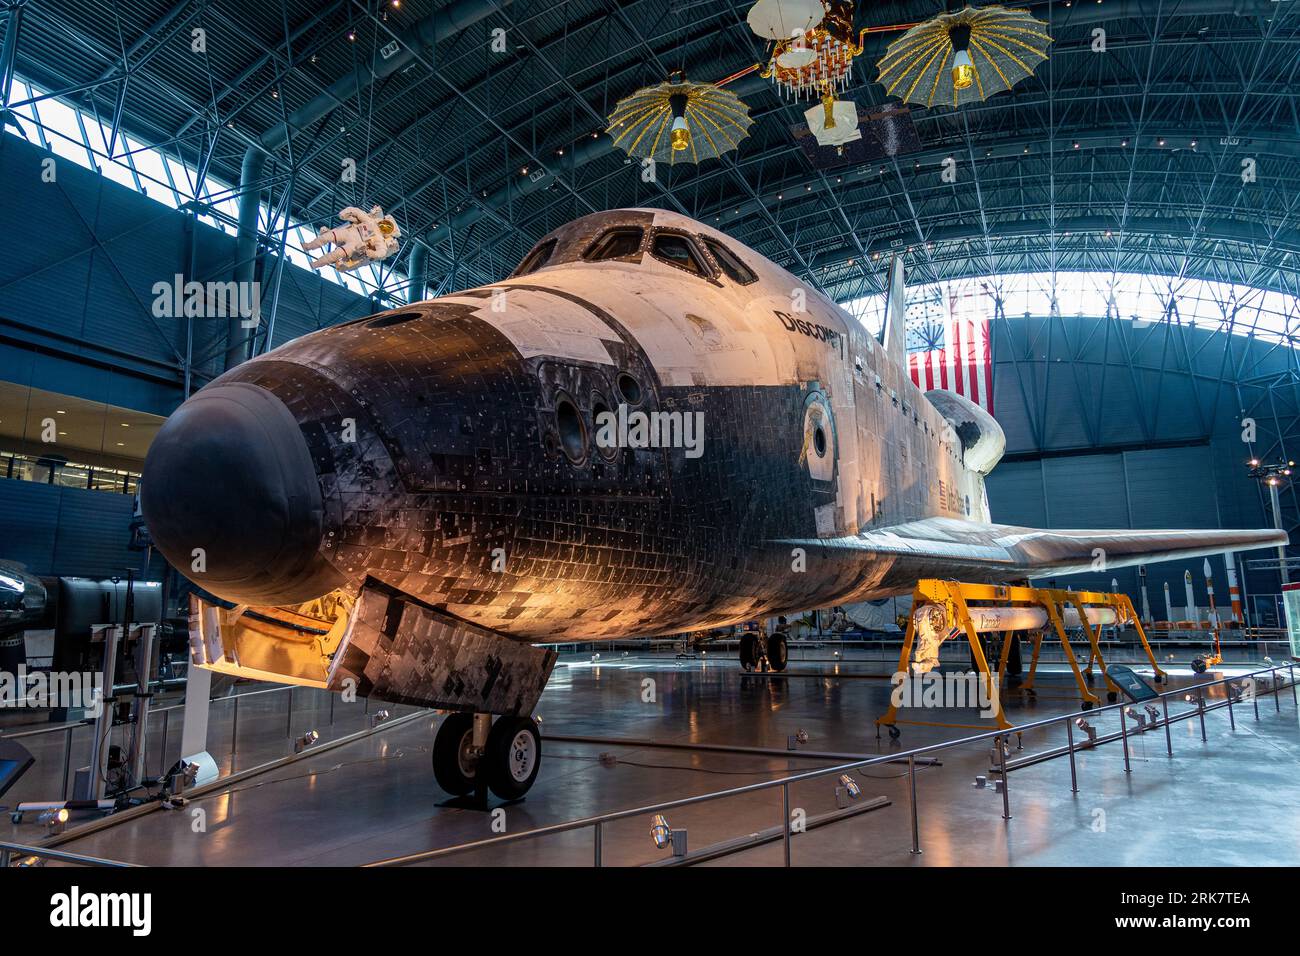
(972, 384)
(988, 367)
(957, 380)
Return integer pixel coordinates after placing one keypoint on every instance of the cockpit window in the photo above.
(736, 270)
(615, 244)
(679, 251)
(536, 259)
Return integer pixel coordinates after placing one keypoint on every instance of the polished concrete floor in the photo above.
(1233, 800)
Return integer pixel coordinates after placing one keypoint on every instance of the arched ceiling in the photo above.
(1128, 159)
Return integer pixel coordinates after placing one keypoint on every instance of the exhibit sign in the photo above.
(1291, 604)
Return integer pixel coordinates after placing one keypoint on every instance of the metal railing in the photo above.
(598, 822)
(10, 850)
(233, 700)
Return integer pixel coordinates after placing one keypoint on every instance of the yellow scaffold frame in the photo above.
(956, 597)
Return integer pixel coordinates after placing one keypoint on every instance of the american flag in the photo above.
(949, 347)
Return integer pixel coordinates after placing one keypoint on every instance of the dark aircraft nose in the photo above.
(231, 498)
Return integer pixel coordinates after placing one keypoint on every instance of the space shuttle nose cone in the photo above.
(230, 496)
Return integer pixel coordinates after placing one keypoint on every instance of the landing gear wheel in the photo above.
(1112, 696)
(1087, 705)
(748, 651)
(894, 732)
(513, 756)
(778, 652)
(1199, 665)
(455, 765)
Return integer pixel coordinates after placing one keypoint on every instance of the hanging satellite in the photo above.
(833, 122)
(814, 44)
(964, 57)
(679, 121)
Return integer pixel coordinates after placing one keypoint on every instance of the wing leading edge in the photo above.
(1007, 551)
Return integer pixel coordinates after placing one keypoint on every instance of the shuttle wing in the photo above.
(937, 546)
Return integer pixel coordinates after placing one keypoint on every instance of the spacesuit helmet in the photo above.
(388, 226)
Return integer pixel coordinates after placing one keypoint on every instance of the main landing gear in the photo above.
(472, 754)
(764, 652)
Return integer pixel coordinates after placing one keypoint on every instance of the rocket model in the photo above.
(647, 429)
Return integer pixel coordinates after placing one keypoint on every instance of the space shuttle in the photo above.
(648, 428)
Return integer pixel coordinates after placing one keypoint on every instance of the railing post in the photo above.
(1232, 720)
(785, 827)
(1254, 694)
(1069, 736)
(1006, 789)
(1294, 701)
(67, 758)
(4, 858)
(1123, 736)
(332, 696)
(598, 842)
(234, 729)
(162, 752)
(1200, 707)
(1277, 691)
(1169, 739)
(288, 716)
(916, 826)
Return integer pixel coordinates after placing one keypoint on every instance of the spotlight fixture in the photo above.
(377, 718)
(1153, 714)
(664, 835)
(305, 741)
(1087, 728)
(54, 820)
(850, 786)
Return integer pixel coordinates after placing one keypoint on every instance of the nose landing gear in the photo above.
(471, 754)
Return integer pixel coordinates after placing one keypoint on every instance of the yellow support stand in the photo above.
(955, 597)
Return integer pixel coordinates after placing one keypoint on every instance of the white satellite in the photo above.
(783, 19)
(833, 122)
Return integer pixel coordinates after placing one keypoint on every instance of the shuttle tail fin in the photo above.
(895, 341)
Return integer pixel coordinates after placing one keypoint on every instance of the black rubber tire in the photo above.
(778, 652)
(503, 759)
(1199, 666)
(748, 651)
(894, 732)
(1112, 696)
(447, 768)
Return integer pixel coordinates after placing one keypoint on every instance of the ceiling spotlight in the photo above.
(1076, 145)
(352, 35)
(1193, 144)
(1160, 142)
